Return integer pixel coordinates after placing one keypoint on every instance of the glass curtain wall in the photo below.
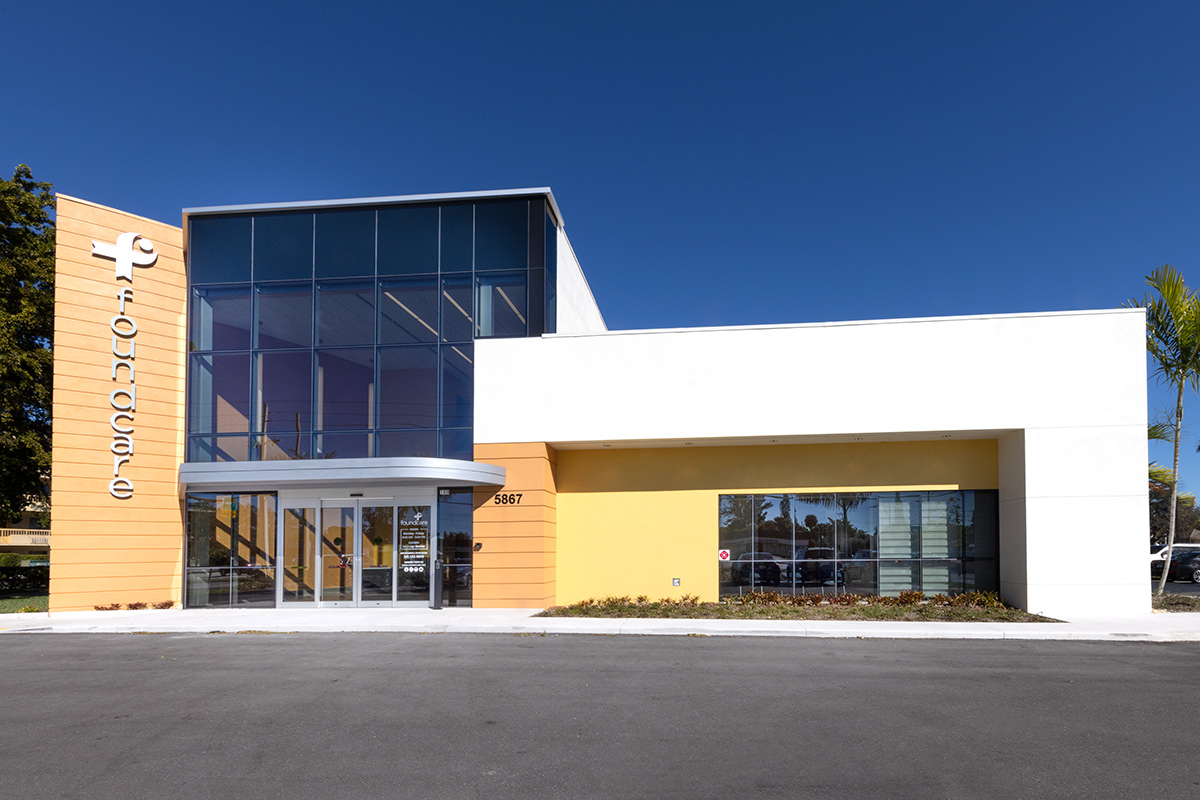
(230, 551)
(232, 560)
(347, 333)
(859, 542)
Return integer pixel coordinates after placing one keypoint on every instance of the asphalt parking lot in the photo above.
(528, 716)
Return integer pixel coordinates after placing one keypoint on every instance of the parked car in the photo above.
(1158, 552)
(763, 567)
(1185, 566)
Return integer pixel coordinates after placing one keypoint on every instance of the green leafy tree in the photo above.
(1173, 341)
(26, 331)
(1187, 516)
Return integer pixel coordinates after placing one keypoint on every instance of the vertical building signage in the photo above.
(130, 250)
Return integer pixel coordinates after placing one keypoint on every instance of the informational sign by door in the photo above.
(414, 538)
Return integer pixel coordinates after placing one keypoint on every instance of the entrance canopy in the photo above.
(332, 474)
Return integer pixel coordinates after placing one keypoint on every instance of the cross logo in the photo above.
(125, 254)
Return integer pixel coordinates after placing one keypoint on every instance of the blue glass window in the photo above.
(284, 316)
(458, 316)
(408, 311)
(458, 238)
(284, 391)
(408, 390)
(219, 393)
(345, 314)
(220, 318)
(458, 386)
(219, 249)
(408, 240)
(502, 235)
(283, 247)
(345, 243)
(345, 388)
(500, 304)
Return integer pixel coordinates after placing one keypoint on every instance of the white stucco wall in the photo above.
(577, 309)
(1065, 394)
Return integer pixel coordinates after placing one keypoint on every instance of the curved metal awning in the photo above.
(336, 473)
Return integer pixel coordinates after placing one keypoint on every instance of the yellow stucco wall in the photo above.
(629, 521)
(515, 566)
(103, 549)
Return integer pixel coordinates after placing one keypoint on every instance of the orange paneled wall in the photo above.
(108, 549)
(516, 565)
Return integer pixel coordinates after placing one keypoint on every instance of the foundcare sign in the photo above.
(130, 250)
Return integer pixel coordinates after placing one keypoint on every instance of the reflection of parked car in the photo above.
(462, 576)
(763, 566)
(816, 567)
(860, 571)
(1185, 566)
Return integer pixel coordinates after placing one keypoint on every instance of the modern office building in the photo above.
(329, 404)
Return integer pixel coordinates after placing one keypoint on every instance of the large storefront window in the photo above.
(859, 542)
(347, 333)
(230, 551)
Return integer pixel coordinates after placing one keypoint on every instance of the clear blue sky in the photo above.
(716, 163)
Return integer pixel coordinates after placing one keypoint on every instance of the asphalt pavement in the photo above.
(528, 716)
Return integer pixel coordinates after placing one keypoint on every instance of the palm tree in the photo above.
(1173, 341)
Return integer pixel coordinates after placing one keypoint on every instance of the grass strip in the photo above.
(34, 602)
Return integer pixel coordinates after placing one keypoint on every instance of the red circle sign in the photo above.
(723, 555)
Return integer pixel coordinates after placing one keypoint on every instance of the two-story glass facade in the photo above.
(345, 333)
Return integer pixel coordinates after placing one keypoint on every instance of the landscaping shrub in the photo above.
(907, 605)
(18, 580)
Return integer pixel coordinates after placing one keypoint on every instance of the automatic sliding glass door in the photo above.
(338, 557)
(355, 552)
(298, 576)
(376, 554)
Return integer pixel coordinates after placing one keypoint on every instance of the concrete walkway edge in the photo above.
(1152, 627)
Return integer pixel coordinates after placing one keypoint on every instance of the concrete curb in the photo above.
(1145, 628)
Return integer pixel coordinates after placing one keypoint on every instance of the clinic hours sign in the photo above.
(414, 538)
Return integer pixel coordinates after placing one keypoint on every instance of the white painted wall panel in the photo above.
(975, 373)
(577, 309)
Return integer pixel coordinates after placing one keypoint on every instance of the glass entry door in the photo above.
(376, 550)
(339, 567)
(355, 552)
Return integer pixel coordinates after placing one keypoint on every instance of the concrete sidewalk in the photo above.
(1152, 627)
